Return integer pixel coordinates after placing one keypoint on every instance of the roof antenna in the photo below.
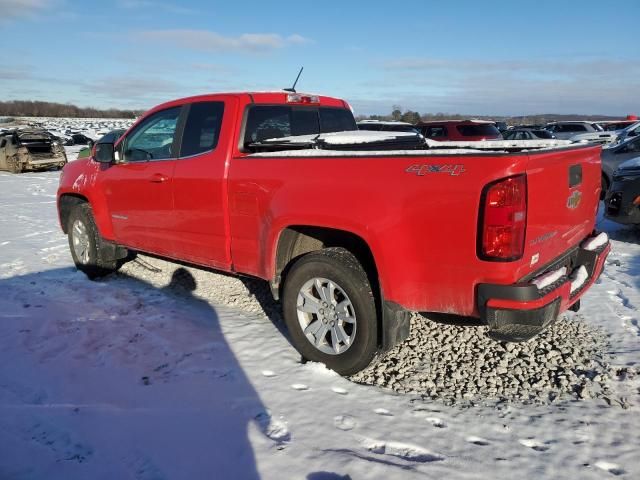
(293, 87)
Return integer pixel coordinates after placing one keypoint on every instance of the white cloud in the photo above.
(16, 73)
(208, 41)
(153, 5)
(131, 88)
(494, 87)
(16, 9)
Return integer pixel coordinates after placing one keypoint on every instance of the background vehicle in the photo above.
(622, 203)
(459, 130)
(30, 149)
(79, 139)
(527, 134)
(501, 126)
(632, 130)
(616, 125)
(566, 130)
(283, 187)
(386, 126)
(613, 156)
(109, 137)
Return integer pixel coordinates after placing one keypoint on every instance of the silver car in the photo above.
(625, 134)
(614, 155)
(566, 130)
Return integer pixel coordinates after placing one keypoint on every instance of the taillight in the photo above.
(503, 219)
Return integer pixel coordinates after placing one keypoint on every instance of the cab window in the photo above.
(154, 138)
(277, 121)
(202, 128)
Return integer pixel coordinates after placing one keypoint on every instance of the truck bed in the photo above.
(438, 192)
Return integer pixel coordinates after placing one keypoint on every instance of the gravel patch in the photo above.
(462, 364)
(444, 362)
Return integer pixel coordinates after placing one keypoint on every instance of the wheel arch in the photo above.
(66, 203)
(297, 240)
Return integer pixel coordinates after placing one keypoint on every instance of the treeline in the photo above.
(29, 108)
(398, 114)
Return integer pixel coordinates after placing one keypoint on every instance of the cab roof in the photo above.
(277, 97)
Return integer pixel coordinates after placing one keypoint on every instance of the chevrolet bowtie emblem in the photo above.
(574, 200)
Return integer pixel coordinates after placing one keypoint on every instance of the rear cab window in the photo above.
(276, 121)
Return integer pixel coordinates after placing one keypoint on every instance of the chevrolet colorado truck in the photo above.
(353, 230)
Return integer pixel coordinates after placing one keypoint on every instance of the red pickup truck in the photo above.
(353, 230)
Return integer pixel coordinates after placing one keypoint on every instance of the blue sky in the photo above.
(474, 57)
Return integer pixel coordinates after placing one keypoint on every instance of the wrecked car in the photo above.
(27, 150)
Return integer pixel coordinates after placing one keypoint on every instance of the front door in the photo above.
(138, 187)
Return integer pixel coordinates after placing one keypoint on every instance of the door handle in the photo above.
(158, 178)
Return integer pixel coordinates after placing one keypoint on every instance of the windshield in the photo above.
(277, 121)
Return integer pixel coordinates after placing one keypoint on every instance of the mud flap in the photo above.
(110, 251)
(396, 325)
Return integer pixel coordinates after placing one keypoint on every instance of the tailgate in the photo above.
(563, 191)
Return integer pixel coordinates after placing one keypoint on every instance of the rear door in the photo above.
(563, 191)
(138, 188)
(199, 185)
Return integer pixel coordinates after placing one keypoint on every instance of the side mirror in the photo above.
(104, 153)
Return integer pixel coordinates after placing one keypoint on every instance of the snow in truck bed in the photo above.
(364, 137)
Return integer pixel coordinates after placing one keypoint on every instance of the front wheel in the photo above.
(329, 308)
(85, 243)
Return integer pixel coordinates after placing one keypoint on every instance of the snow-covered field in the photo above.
(162, 372)
(63, 128)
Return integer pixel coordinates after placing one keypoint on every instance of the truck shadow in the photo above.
(159, 389)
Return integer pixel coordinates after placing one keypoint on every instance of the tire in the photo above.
(82, 232)
(14, 166)
(307, 286)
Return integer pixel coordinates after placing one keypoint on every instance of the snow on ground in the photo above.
(162, 372)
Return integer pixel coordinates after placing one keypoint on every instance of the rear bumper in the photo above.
(520, 311)
(44, 163)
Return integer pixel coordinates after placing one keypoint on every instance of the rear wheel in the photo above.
(329, 308)
(86, 244)
(15, 166)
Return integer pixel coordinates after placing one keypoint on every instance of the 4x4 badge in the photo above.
(449, 169)
(574, 199)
